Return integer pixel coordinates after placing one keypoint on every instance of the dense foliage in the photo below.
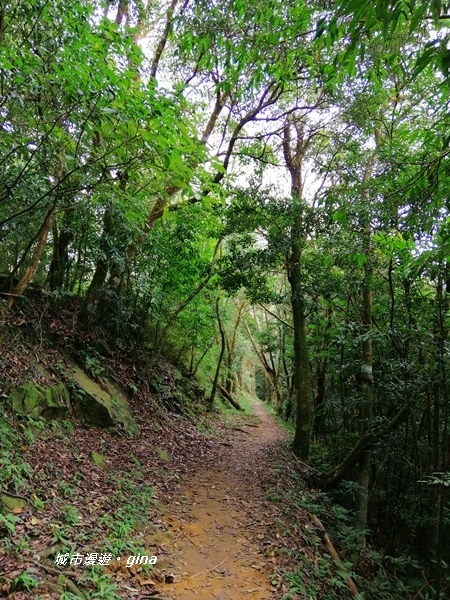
(262, 181)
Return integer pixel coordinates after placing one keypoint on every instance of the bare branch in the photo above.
(163, 40)
(276, 316)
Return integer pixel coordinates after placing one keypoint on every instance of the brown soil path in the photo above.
(219, 520)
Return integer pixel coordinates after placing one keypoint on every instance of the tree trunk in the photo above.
(60, 259)
(89, 307)
(334, 477)
(366, 375)
(229, 362)
(302, 436)
(205, 352)
(294, 154)
(230, 398)
(35, 259)
(366, 382)
(172, 318)
(161, 202)
(319, 408)
(222, 352)
(332, 552)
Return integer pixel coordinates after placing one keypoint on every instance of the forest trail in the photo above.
(218, 522)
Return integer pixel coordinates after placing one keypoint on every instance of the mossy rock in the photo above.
(121, 408)
(98, 459)
(12, 503)
(34, 400)
(103, 408)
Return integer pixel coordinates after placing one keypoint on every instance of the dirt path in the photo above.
(217, 524)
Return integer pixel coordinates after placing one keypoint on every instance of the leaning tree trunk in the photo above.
(42, 236)
(159, 344)
(35, 259)
(334, 477)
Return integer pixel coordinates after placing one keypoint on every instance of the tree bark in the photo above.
(333, 478)
(229, 397)
(101, 269)
(35, 259)
(222, 352)
(268, 97)
(294, 154)
(163, 39)
(60, 259)
(302, 437)
(231, 345)
(271, 377)
(161, 202)
(332, 551)
(366, 375)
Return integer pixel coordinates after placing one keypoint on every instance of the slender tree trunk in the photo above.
(231, 348)
(229, 363)
(294, 155)
(157, 210)
(35, 259)
(302, 436)
(222, 352)
(271, 378)
(226, 394)
(366, 382)
(205, 352)
(366, 375)
(163, 39)
(101, 270)
(319, 408)
(42, 236)
(172, 318)
(60, 259)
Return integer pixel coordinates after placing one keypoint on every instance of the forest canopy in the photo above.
(219, 178)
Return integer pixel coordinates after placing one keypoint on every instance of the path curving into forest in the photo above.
(218, 522)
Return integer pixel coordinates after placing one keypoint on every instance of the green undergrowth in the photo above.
(205, 377)
(66, 520)
(14, 470)
(317, 576)
(288, 426)
(245, 401)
